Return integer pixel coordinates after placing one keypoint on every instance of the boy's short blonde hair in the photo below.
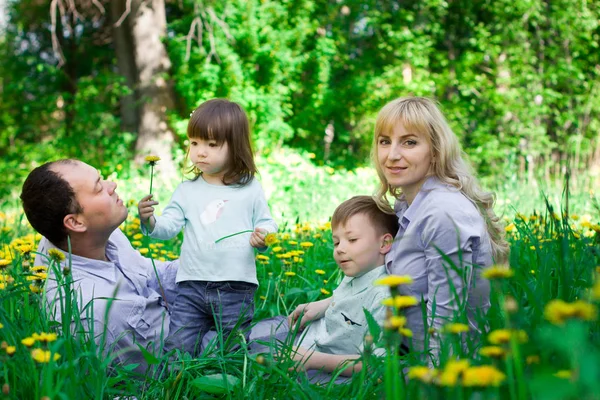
(383, 222)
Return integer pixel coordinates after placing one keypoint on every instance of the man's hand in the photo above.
(146, 211)
(257, 239)
(305, 313)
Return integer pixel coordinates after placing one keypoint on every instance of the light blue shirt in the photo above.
(207, 213)
(126, 287)
(343, 327)
(441, 220)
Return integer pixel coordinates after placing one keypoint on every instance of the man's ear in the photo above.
(386, 243)
(74, 223)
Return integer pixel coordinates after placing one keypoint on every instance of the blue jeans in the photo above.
(201, 306)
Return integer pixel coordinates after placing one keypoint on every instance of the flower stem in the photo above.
(233, 234)
(151, 176)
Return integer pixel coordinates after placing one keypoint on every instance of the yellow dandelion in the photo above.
(4, 263)
(405, 332)
(325, 292)
(271, 239)
(39, 268)
(152, 159)
(451, 372)
(292, 242)
(456, 328)
(394, 322)
(400, 302)
(483, 375)
(558, 311)
(10, 350)
(28, 341)
(35, 288)
(263, 297)
(564, 374)
(502, 336)
(45, 337)
(492, 351)
(497, 272)
(306, 244)
(510, 227)
(56, 255)
(144, 251)
(289, 273)
(1, 326)
(262, 257)
(423, 374)
(394, 280)
(319, 272)
(43, 356)
(276, 249)
(25, 250)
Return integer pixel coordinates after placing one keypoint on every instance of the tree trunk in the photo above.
(123, 43)
(148, 25)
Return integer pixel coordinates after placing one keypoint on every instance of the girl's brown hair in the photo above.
(225, 122)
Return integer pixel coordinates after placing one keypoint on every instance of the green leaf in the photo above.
(149, 357)
(216, 383)
(374, 328)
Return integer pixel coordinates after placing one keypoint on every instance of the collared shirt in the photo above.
(441, 220)
(212, 216)
(343, 327)
(121, 296)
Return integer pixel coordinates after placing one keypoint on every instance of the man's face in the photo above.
(103, 210)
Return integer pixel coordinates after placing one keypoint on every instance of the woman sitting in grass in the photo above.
(448, 229)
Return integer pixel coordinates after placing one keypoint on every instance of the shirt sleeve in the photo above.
(261, 213)
(448, 244)
(166, 271)
(172, 220)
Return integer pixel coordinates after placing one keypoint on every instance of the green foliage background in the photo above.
(517, 80)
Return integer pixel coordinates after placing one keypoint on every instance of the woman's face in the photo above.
(405, 159)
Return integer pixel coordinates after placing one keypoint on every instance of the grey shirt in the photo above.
(120, 296)
(441, 220)
(343, 327)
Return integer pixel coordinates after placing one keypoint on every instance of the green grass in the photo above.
(552, 256)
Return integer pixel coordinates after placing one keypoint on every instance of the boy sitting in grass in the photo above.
(362, 236)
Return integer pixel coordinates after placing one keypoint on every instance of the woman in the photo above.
(448, 229)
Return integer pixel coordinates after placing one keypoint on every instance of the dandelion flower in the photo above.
(10, 350)
(319, 272)
(325, 292)
(4, 263)
(28, 341)
(456, 328)
(276, 249)
(394, 280)
(423, 374)
(306, 244)
(451, 372)
(502, 336)
(405, 332)
(152, 159)
(289, 273)
(483, 375)
(271, 239)
(497, 272)
(43, 356)
(558, 311)
(564, 374)
(262, 257)
(56, 255)
(394, 322)
(492, 351)
(292, 242)
(400, 302)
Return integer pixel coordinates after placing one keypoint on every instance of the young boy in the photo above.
(362, 236)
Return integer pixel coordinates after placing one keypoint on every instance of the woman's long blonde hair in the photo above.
(421, 115)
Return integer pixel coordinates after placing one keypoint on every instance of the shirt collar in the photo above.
(406, 212)
(106, 270)
(365, 281)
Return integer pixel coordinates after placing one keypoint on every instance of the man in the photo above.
(117, 290)
(119, 296)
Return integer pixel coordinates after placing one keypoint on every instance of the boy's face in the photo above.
(357, 247)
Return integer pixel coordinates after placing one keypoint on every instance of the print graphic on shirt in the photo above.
(212, 212)
(349, 321)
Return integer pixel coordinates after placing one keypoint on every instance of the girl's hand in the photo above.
(146, 209)
(257, 239)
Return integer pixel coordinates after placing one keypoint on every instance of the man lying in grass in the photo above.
(362, 236)
(117, 290)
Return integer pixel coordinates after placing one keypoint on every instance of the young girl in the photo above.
(444, 216)
(224, 214)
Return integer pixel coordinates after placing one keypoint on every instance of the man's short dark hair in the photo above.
(47, 198)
